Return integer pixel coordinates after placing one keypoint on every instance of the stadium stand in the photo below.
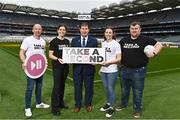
(159, 19)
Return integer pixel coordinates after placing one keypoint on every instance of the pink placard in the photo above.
(36, 65)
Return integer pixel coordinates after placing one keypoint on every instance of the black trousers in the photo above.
(60, 75)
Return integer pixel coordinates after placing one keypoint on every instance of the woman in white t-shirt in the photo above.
(109, 69)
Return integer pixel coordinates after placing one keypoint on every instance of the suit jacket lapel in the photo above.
(88, 40)
(79, 41)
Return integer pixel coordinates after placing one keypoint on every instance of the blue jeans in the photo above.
(29, 89)
(109, 80)
(132, 78)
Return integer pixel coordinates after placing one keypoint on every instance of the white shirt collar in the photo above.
(85, 38)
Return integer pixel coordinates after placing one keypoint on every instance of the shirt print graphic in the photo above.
(61, 46)
(131, 45)
(38, 47)
(108, 49)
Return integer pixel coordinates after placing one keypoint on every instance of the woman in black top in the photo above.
(60, 70)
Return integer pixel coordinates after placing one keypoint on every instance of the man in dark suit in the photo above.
(83, 72)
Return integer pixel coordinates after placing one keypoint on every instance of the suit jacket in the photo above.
(86, 69)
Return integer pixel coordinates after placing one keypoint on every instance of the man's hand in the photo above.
(23, 66)
(151, 54)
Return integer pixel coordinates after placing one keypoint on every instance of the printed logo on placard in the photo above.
(36, 65)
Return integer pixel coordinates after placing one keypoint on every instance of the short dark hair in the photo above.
(135, 23)
(62, 25)
(84, 24)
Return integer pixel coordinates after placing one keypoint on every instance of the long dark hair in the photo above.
(114, 33)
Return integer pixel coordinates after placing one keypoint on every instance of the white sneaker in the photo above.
(110, 112)
(42, 105)
(105, 107)
(28, 112)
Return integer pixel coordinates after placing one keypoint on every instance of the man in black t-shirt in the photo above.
(133, 66)
(60, 70)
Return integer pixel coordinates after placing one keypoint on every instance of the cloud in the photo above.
(82, 6)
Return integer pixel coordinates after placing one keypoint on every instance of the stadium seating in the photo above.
(161, 23)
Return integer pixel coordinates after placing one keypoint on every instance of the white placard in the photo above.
(82, 55)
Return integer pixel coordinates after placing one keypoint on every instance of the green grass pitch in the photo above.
(161, 98)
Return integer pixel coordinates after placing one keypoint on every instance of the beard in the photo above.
(134, 36)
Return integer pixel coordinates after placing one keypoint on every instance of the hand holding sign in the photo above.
(106, 63)
(61, 61)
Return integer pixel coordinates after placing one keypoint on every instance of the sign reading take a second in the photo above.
(83, 55)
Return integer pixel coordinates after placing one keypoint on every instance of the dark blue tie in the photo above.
(84, 42)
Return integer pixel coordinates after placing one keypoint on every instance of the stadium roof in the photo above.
(134, 7)
(114, 10)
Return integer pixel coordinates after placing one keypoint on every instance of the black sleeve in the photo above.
(52, 45)
(151, 41)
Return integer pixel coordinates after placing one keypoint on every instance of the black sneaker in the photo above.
(104, 108)
(110, 112)
(119, 108)
(64, 106)
(56, 113)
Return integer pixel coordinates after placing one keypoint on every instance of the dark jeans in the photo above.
(29, 89)
(60, 75)
(132, 78)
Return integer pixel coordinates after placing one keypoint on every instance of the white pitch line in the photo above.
(166, 70)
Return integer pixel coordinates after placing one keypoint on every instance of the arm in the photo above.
(22, 57)
(158, 46)
(52, 57)
(96, 43)
(114, 61)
